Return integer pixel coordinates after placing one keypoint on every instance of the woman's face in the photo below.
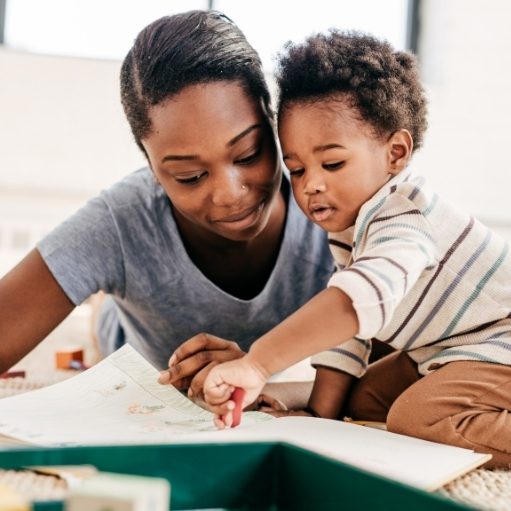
(212, 150)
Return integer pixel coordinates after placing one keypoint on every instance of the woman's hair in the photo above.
(186, 49)
(383, 85)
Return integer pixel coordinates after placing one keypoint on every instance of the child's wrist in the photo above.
(258, 365)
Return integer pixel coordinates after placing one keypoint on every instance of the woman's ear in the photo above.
(400, 146)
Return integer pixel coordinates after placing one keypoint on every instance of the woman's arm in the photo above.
(32, 304)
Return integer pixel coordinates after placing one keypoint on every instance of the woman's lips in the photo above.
(242, 219)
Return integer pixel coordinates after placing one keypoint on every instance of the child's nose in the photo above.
(314, 185)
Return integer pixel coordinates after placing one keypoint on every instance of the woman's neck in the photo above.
(240, 268)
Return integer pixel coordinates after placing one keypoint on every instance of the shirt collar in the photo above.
(386, 189)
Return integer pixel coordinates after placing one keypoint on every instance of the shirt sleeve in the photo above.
(85, 254)
(352, 357)
(394, 248)
(397, 246)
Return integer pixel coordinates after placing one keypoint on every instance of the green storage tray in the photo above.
(253, 476)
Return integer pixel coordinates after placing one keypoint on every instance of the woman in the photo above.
(206, 239)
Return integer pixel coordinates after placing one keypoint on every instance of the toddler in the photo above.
(413, 272)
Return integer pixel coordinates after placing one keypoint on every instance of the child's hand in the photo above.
(221, 382)
(190, 364)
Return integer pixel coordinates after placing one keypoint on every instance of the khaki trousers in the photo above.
(465, 403)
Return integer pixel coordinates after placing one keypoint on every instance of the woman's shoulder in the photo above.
(137, 187)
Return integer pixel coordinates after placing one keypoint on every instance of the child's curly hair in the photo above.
(381, 83)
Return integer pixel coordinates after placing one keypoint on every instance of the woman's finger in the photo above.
(197, 382)
(190, 367)
(198, 343)
(270, 403)
(284, 413)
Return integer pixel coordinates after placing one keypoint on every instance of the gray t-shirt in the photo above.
(126, 243)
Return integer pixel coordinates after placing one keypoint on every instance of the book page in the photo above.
(416, 462)
(119, 401)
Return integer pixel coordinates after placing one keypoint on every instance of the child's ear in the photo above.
(400, 146)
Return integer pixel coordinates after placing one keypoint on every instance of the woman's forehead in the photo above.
(204, 115)
(211, 102)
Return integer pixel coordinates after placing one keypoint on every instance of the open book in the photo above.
(119, 401)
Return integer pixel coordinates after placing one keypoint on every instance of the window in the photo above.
(90, 28)
(106, 29)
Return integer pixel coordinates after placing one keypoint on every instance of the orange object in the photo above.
(64, 356)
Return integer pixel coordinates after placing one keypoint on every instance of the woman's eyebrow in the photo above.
(190, 157)
(238, 137)
(180, 157)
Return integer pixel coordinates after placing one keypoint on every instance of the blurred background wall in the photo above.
(63, 136)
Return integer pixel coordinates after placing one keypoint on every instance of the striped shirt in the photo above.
(423, 277)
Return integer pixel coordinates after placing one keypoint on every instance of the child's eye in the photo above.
(251, 158)
(333, 166)
(190, 180)
(296, 172)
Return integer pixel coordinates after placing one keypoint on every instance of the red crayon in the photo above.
(237, 396)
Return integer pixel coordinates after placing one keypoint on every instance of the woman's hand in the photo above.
(286, 413)
(276, 408)
(221, 382)
(190, 364)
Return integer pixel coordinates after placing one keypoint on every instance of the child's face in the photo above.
(336, 161)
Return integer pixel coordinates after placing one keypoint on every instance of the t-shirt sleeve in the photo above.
(85, 253)
(352, 357)
(397, 247)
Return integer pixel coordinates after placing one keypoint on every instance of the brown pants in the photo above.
(466, 404)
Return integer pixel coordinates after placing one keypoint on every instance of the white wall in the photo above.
(465, 55)
(63, 135)
(62, 126)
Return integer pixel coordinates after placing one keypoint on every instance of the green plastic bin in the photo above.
(245, 476)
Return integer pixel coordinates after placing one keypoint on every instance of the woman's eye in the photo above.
(251, 158)
(333, 166)
(190, 180)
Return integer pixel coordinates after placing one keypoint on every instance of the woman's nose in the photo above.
(228, 188)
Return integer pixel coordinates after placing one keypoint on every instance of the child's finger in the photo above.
(218, 421)
(221, 409)
(218, 394)
(227, 418)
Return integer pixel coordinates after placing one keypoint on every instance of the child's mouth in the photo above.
(322, 214)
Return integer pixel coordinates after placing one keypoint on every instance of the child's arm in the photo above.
(324, 322)
(32, 304)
